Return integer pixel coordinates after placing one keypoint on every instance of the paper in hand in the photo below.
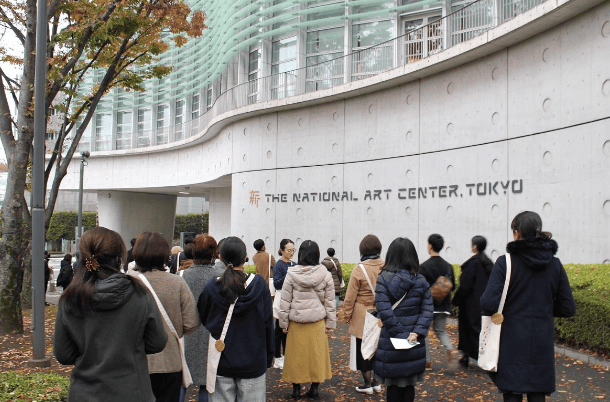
(403, 343)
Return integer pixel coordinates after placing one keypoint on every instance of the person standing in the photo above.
(263, 260)
(105, 325)
(202, 271)
(538, 291)
(130, 252)
(65, 271)
(307, 315)
(47, 274)
(150, 253)
(399, 282)
(334, 267)
(280, 270)
(360, 297)
(432, 269)
(248, 344)
(473, 280)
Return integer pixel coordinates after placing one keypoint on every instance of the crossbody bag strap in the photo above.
(335, 265)
(225, 328)
(159, 305)
(399, 301)
(366, 275)
(506, 282)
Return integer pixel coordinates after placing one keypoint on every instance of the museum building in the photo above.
(328, 120)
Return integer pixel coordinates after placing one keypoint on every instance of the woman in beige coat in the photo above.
(359, 298)
(150, 252)
(307, 314)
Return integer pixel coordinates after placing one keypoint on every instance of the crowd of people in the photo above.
(145, 325)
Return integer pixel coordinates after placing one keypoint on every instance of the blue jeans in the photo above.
(202, 397)
(438, 324)
(240, 389)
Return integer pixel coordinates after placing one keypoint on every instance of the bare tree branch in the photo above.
(13, 28)
(6, 132)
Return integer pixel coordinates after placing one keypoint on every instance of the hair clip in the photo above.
(229, 265)
(91, 264)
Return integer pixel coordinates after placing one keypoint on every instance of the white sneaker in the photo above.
(279, 363)
(377, 388)
(365, 390)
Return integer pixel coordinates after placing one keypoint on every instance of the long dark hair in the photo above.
(529, 224)
(102, 252)
(401, 255)
(233, 254)
(481, 244)
(309, 253)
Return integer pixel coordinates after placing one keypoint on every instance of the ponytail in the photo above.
(543, 235)
(232, 283)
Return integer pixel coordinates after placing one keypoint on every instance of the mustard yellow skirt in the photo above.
(307, 358)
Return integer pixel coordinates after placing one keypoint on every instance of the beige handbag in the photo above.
(186, 374)
(216, 346)
(491, 327)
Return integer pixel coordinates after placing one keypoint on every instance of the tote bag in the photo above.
(217, 346)
(372, 325)
(491, 327)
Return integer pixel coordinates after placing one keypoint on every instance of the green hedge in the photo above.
(63, 224)
(590, 327)
(197, 223)
(36, 386)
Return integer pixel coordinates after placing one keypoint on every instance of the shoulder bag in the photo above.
(491, 327)
(186, 374)
(372, 325)
(270, 282)
(335, 265)
(216, 346)
(441, 288)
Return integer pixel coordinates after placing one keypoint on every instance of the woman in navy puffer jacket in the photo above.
(401, 369)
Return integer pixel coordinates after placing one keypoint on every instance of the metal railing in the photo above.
(422, 41)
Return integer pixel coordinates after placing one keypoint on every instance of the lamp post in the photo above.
(79, 230)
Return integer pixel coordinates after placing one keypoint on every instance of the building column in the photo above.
(130, 213)
(220, 212)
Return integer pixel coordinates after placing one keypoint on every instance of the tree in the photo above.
(115, 42)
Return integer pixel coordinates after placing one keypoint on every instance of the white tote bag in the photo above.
(491, 328)
(216, 346)
(372, 326)
(186, 374)
(271, 287)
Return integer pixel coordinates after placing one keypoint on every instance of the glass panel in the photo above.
(124, 129)
(103, 131)
(284, 49)
(195, 107)
(253, 61)
(325, 41)
(371, 9)
(209, 98)
(162, 124)
(323, 73)
(144, 127)
(334, 12)
(372, 33)
(413, 40)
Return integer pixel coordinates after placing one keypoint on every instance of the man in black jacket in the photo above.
(434, 267)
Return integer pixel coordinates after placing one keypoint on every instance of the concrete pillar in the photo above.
(130, 214)
(220, 212)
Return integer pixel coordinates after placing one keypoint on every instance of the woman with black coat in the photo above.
(473, 280)
(538, 291)
(400, 369)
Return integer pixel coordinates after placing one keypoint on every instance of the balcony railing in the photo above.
(423, 41)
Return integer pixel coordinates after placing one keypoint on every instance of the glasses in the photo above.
(290, 250)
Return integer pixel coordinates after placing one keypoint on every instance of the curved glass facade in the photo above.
(265, 50)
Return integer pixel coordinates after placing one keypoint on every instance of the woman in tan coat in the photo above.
(358, 299)
(150, 252)
(307, 314)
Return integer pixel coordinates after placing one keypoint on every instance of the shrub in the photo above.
(590, 327)
(37, 386)
(63, 224)
(197, 223)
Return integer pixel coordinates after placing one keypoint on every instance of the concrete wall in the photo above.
(130, 214)
(524, 126)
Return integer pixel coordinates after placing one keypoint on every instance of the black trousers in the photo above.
(166, 386)
(280, 339)
(531, 397)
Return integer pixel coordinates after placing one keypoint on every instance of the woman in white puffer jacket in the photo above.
(307, 314)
